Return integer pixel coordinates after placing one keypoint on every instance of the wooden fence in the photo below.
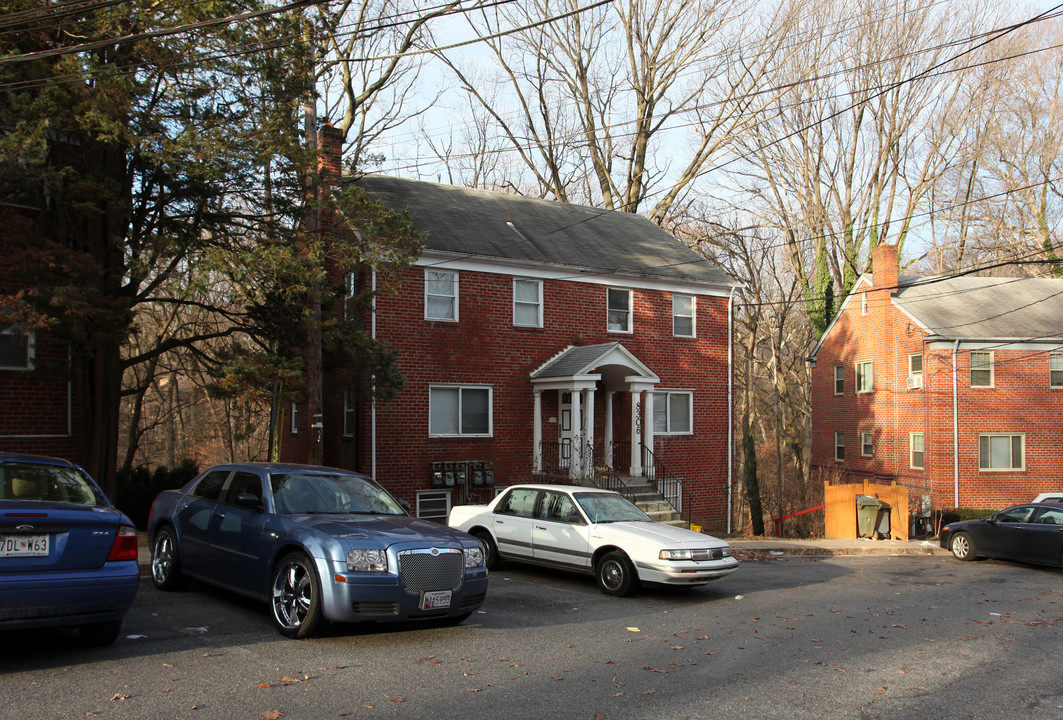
(840, 517)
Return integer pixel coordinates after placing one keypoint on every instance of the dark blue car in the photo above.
(318, 544)
(68, 557)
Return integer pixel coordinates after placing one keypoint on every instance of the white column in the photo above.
(608, 439)
(647, 425)
(577, 436)
(636, 433)
(537, 432)
(588, 443)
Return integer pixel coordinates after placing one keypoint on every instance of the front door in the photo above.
(565, 430)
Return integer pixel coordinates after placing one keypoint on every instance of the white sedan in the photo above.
(592, 531)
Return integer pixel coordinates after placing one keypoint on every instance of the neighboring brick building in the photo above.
(952, 386)
(531, 334)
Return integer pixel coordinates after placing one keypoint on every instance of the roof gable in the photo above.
(501, 226)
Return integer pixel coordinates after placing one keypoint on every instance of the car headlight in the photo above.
(367, 560)
(676, 555)
(474, 557)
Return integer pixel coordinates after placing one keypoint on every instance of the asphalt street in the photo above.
(863, 637)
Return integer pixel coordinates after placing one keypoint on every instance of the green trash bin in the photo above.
(867, 509)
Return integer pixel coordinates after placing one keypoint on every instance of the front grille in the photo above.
(436, 569)
(380, 608)
(708, 554)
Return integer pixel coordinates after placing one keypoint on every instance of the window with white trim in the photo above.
(350, 281)
(683, 315)
(1001, 451)
(455, 410)
(839, 379)
(619, 310)
(348, 413)
(865, 376)
(915, 370)
(17, 350)
(981, 368)
(863, 303)
(1055, 370)
(527, 302)
(295, 419)
(916, 450)
(839, 445)
(673, 412)
(433, 505)
(867, 446)
(440, 294)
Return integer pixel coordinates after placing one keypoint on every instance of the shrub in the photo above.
(137, 488)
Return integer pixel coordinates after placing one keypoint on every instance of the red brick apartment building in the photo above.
(540, 341)
(951, 386)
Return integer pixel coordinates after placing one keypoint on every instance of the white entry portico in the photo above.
(578, 370)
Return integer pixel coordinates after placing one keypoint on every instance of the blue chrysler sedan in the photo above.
(68, 557)
(318, 544)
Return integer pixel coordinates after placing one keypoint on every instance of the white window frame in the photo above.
(863, 303)
(295, 419)
(912, 451)
(520, 303)
(666, 396)
(864, 369)
(461, 390)
(30, 343)
(1055, 370)
(433, 496)
(350, 281)
(609, 311)
(452, 298)
(914, 373)
(348, 413)
(867, 444)
(839, 445)
(981, 368)
(839, 377)
(691, 314)
(1012, 437)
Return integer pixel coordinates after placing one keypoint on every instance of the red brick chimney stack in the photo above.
(330, 142)
(884, 267)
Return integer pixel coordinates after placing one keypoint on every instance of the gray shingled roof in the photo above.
(574, 361)
(979, 307)
(497, 225)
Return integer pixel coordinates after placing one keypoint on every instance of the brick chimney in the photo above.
(330, 143)
(884, 267)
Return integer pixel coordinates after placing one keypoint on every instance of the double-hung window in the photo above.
(440, 295)
(16, 350)
(350, 282)
(348, 413)
(915, 371)
(673, 412)
(527, 302)
(865, 376)
(839, 445)
(1001, 451)
(459, 410)
(981, 368)
(683, 316)
(839, 379)
(915, 443)
(1055, 370)
(867, 444)
(295, 419)
(619, 310)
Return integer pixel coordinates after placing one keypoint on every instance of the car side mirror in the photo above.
(249, 501)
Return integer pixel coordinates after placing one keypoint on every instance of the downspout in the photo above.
(372, 396)
(955, 432)
(730, 408)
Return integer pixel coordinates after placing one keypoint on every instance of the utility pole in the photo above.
(313, 233)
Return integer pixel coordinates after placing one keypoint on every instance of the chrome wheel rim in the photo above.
(612, 575)
(960, 546)
(162, 558)
(292, 594)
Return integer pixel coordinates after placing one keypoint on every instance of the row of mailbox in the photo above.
(465, 472)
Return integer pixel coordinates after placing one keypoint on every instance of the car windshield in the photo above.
(300, 493)
(33, 482)
(608, 508)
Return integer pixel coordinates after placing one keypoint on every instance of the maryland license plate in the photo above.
(435, 600)
(23, 546)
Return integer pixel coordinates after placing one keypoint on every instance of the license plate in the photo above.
(435, 600)
(23, 546)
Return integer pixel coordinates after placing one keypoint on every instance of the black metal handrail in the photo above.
(607, 479)
(668, 485)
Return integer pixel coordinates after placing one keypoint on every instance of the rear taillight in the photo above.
(125, 544)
